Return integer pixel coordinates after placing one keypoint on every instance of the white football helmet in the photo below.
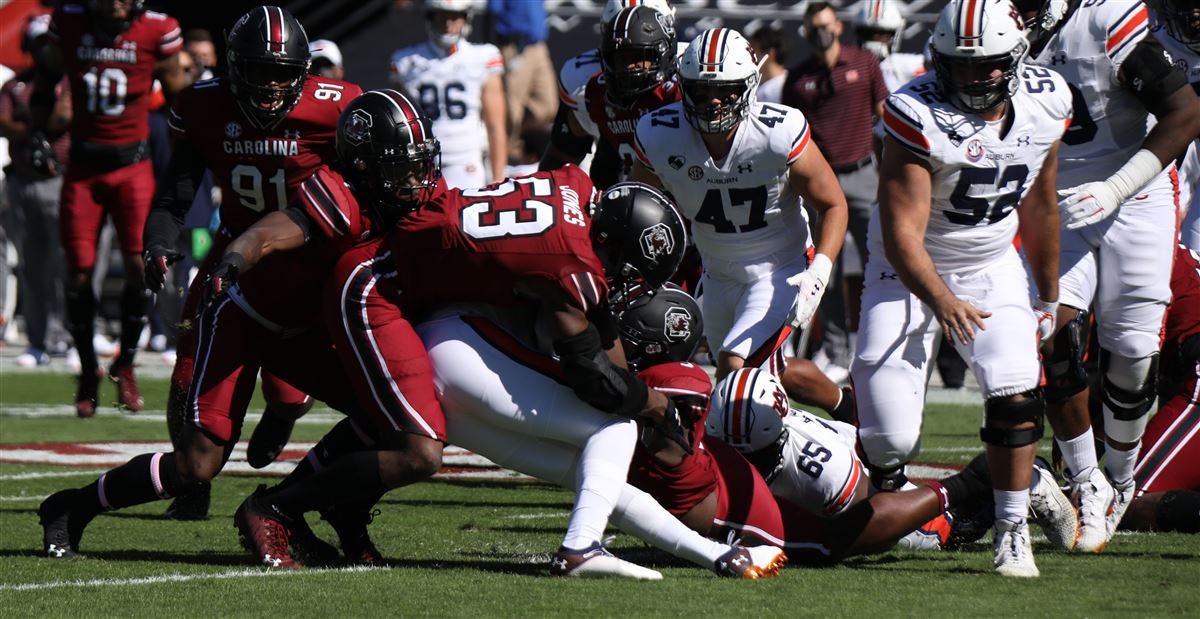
(718, 65)
(747, 410)
(875, 17)
(442, 39)
(612, 7)
(978, 34)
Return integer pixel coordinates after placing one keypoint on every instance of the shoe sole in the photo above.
(770, 570)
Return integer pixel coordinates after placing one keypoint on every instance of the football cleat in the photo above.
(191, 506)
(597, 562)
(1123, 495)
(87, 393)
(62, 527)
(933, 535)
(1014, 553)
(310, 550)
(353, 536)
(969, 524)
(1052, 510)
(129, 397)
(1093, 498)
(272, 432)
(263, 532)
(750, 562)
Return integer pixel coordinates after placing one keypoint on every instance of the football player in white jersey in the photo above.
(736, 167)
(573, 77)
(810, 462)
(1177, 26)
(964, 146)
(1117, 183)
(879, 25)
(460, 87)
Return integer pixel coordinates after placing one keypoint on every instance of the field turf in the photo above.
(480, 548)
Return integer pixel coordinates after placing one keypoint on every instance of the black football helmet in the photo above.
(386, 147)
(660, 328)
(104, 12)
(1182, 18)
(637, 53)
(639, 238)
(268, 59)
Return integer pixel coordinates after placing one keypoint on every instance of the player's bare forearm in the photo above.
(905, 196)
(1038, 225)
(495, 119)
(171, 75)
(1177, 128)
(814, 180)
(274, 233)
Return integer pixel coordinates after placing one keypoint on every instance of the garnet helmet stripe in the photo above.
(407, 111)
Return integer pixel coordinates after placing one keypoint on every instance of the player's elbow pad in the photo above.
(594, 378)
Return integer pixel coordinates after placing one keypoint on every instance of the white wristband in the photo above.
(821, 267)
(1139, 170)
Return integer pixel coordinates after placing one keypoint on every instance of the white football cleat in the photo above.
(597, 562)
(1123, 496)
(1093, 498)
(1052, 510)
(1014, 554)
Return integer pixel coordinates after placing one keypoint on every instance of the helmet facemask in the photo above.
(268, 89)
(713, 106)
(437, 24)
(881, 43)
(976, 85)
(1183, 21)
(631, 70)
(104, 12)
(403, 182)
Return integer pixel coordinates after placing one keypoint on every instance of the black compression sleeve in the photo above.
(1151, 76)
(300, 218)
(179, 187)
(162, 230)
(566, 142)
(588, 371)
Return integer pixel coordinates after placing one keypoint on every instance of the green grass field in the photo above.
(480, 548)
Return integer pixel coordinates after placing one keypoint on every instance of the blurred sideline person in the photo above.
(771, 49)
(520, 31)
(326, 59)
(879, 25)
(460, 86)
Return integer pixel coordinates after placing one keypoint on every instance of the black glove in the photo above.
(673, 428)
(222, 278)
(41, 156)
(158, 261)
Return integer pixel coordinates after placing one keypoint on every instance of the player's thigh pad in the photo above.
(762, 302)
(895, 341)
(1004, 356)
(129, 193)
(1135, 258)
(79, 222)
(501, 387)
(229, 344)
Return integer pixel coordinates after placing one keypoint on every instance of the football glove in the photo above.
(810, 285)
(222, 278)
(41, 156)
(1046, 313)
(158, 261)
(672, 427)
(1093, 202)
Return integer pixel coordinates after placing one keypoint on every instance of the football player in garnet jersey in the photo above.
(941, 254)
(112, 51)
(638, 60)
(1118, 187)
(261, 131)
(737, 167)
(287, 121)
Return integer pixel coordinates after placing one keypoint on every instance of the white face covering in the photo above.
(880, 49)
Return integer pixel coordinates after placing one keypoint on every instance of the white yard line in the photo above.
(47, 475)
(169, 578)
(22, 497)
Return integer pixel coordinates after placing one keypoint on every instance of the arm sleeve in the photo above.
(800, 133)
(902, 123)
(171, 40)
(1126, 31)
(1151, 76)
(177, 192)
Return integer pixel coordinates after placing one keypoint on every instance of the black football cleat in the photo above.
(351, 528)
(191, 506)
(751, 562)
(272, 432)
(62, 525)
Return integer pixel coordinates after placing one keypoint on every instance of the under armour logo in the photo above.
(56, 551)
(745, 169)
(558, 563)
(885, 275)
(291, 135)
(271, 561)
(1058, 58)
(1024, 140)
(739, 561)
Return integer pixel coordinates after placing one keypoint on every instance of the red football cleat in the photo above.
(129, 396)
(264, 534)
(86, 393)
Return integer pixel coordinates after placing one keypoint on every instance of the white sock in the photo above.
(1119, 464)
(1079, 453)
(603, 467)
(1011, 505)
(639, 515)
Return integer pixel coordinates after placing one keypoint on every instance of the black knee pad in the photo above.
(1010, 411)
(1128, 405)
(1179, 511)
(1066, 374)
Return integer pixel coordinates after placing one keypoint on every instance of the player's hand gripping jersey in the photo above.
(979, 171)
